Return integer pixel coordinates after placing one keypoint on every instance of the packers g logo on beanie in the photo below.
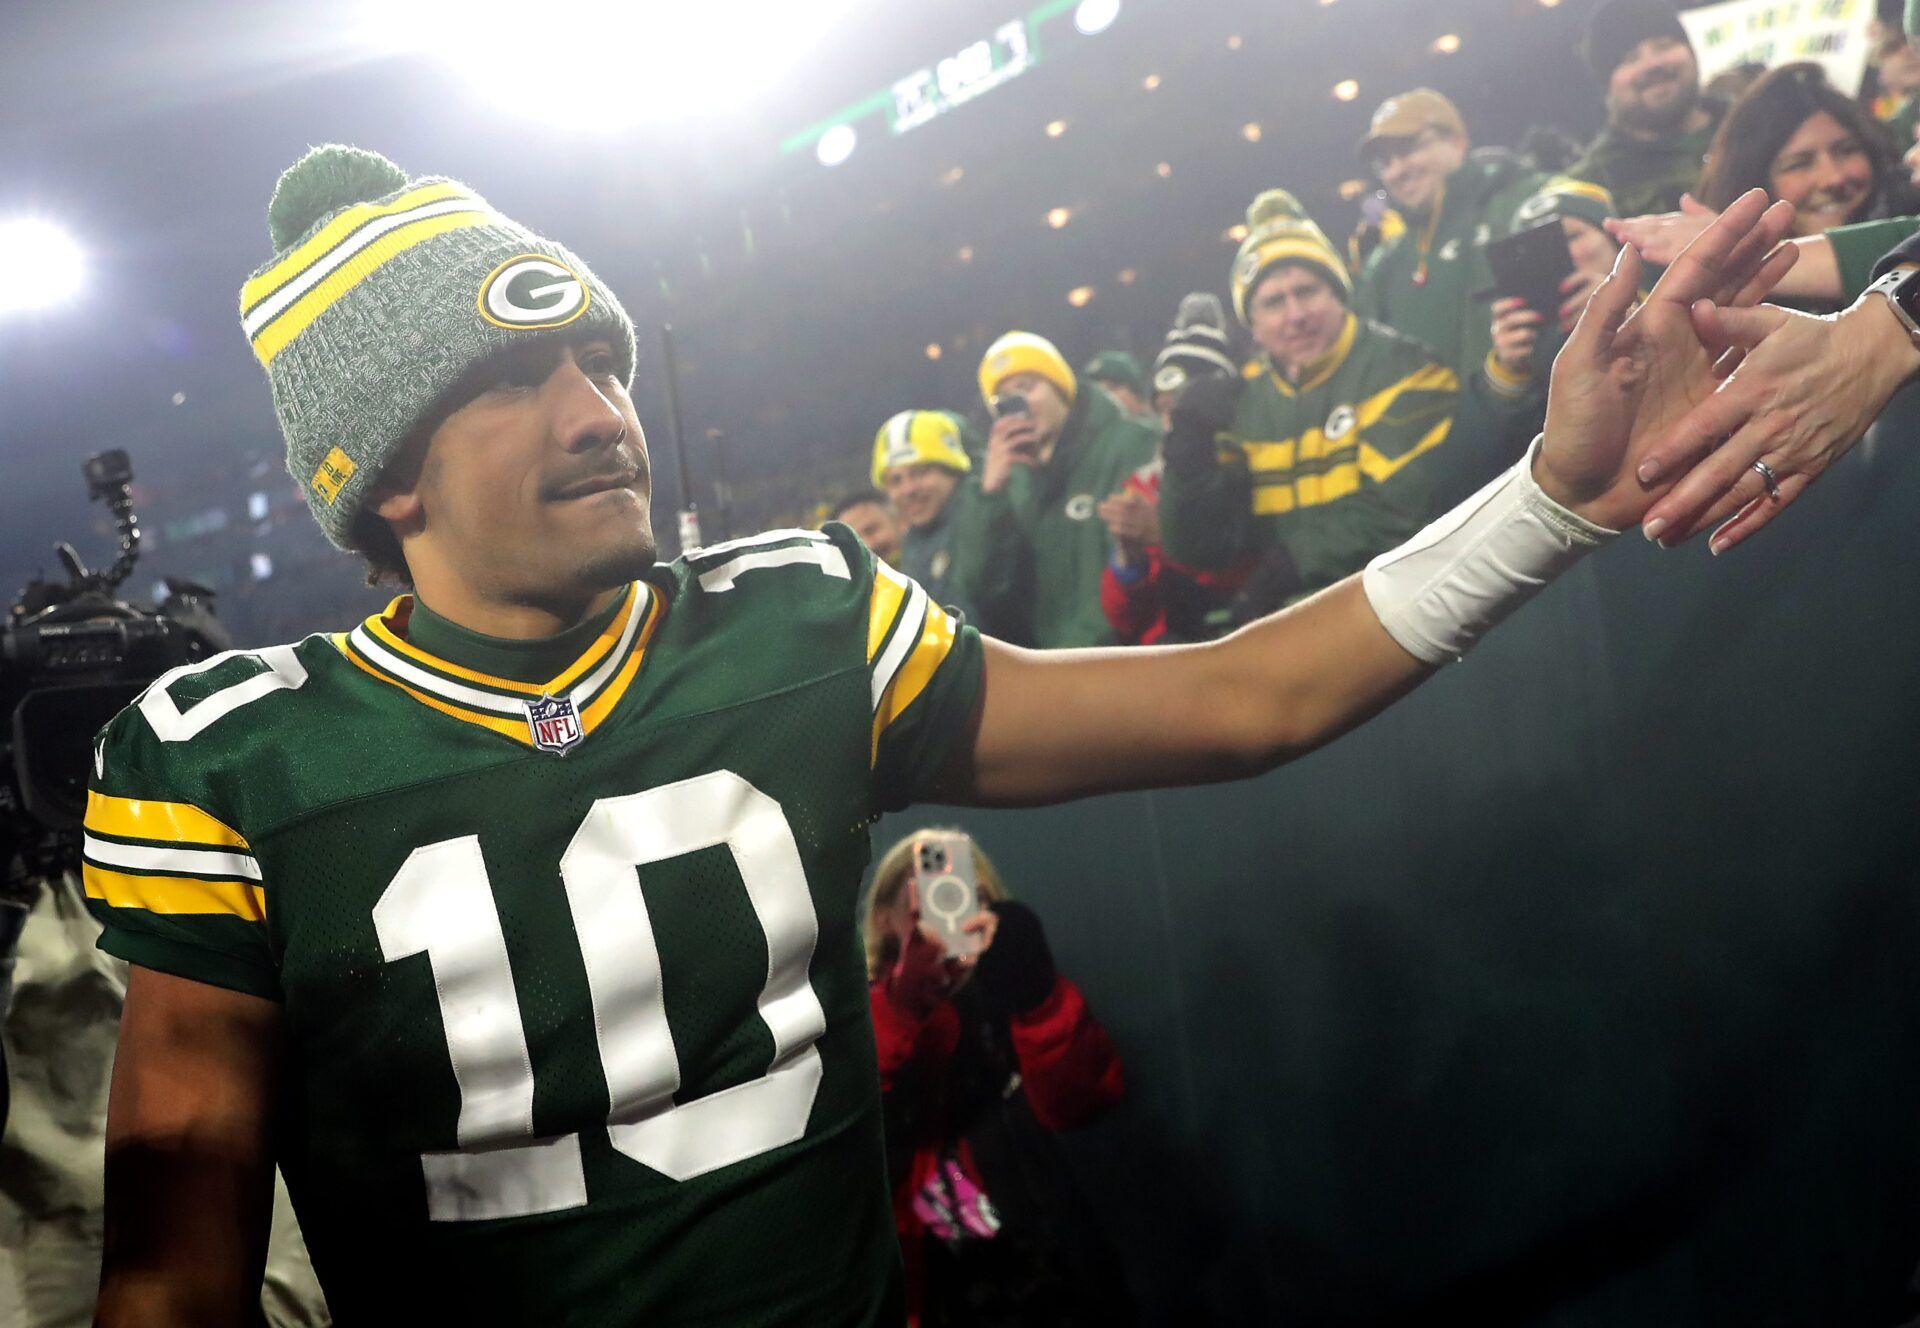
(382, 295)
(532, 291)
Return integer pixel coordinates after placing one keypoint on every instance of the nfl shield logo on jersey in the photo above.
(555, 723)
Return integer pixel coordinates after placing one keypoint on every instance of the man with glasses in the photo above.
(1431, 282)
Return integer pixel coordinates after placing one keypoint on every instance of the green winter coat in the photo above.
(926, 555)
(1029, 556)
(1344, 466)
(1452, 311)
(1648, 175)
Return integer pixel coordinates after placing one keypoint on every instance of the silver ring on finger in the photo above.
(1771, 480)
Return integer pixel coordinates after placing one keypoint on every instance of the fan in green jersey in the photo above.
(518, 922)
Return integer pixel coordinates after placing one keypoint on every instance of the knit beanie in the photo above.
(1280, 231)
(919, 437)
(1197, 345)
(1618, 26)
(1024, 352)
(382, 295)
(1116, 366)
(1564, 196)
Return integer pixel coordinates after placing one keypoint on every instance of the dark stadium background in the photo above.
(1578, 990)
(803, 296)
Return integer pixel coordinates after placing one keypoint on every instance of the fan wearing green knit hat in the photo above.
(921, 462)
(1028, 544)
(1331, 451)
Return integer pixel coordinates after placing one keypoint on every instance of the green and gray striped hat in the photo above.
(382, 293)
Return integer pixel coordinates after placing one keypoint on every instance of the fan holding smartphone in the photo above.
(1544, 273)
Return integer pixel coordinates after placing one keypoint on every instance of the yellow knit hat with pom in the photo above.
(1024, 352)
(1280, 231)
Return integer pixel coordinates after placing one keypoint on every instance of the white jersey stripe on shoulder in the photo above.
(186, 861)
(906, 635)
(590, 686)
(755, 541)
(826, 557)
(472, 697)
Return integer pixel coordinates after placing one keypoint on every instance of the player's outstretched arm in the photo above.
(189, 1155)
(1061, 725)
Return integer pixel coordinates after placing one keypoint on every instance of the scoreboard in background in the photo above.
(980, 67)
(954, 80)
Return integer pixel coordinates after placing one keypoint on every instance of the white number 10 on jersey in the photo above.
(441, 903)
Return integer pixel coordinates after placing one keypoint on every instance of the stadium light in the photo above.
(1447, 44)
(933, 350)
(1080, 296)
(1055, 128)
(1058, 217)
(1346, 89)
(1150, 82)
(836, 145)
(1251, 131)
(49, 268)
(616, 64)
(1164, 170)
(1095, 16)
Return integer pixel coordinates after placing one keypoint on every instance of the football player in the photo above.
(519, 921)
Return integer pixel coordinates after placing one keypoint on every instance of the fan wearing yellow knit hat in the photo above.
(1028, 544)
(920, 462)
(1331, 452)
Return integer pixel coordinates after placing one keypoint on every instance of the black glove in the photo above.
(1016, 972)
(1202, 413)
(1273, 581)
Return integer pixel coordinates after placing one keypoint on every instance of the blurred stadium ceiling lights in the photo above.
(1059, 217)
(1080, 296)
(1055, 128)
(1447, 43)
(1346, 89)
(55, 274)
(631, 64)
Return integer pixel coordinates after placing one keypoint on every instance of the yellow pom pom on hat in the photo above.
(1280, 231)
(918, 437)
(1026, 352)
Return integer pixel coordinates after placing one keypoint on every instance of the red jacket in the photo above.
(1165, 596)
(1068, 1071)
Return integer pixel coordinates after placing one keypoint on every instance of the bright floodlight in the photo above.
(607, 64)
(836, 145)
(1092, 16)
(47, 269)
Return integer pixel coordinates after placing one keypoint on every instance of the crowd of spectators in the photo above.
(1370, 386)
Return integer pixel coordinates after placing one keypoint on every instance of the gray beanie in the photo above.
(382, 293)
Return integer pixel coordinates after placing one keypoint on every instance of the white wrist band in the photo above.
(1443, 589)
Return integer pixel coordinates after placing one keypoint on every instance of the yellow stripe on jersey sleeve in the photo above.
(929, 652)
(883, 606)
(174, 894)
(163, 822)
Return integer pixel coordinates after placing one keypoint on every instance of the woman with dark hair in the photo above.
(1799, 138)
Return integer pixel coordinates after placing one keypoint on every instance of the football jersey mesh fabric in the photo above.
(782, 681)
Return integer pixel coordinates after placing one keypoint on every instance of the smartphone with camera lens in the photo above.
(948, 891)
(1008, 403)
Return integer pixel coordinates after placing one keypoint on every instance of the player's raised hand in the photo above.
(1629, 373)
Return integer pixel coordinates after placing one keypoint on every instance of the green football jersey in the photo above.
(574, 995)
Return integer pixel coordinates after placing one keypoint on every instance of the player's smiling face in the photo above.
(535, 488)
